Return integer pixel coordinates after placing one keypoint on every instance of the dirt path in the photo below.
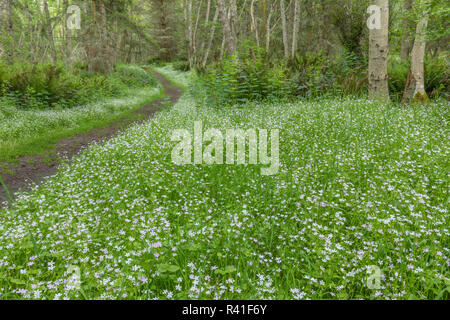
(33, 169)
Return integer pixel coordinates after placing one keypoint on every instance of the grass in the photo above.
(5, 188)
(360, 184)
(34, 132)
(179, 79)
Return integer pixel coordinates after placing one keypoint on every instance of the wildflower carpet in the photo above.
(360, 185)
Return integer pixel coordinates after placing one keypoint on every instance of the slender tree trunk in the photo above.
(203, 40)
(194, 36)
(68, 35)
(188, 23)
(103, 23)
(264, 24)
(284, 27)
(268, 28)
(234, 24)
(222, 48)
(211, 38)
(30, 30)
(407, 42)
(50, 32)
(3, 10)
(229, 41)
(295, 28)
(10, 51)
(415, 86)
(254, 25)
(104, 62)
(378, 52)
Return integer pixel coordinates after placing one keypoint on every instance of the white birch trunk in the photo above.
(284, 28)
(295, 28)
(378, 53)
(415, 86)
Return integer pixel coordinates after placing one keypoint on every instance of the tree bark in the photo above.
(284, 27)
(204, 39)
(406, 42)
(10, 31)
(68, 35)
(30, 30)
(194, 35)
(264, 24)
(254, 25)
(295, 28)
(211, 38)
(415, 86)
(49, 31)
(234, 24)
(378, 52)
(268, 28)
(188, 22)
(229, 41)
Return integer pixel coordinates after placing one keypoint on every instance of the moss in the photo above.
(420, 98)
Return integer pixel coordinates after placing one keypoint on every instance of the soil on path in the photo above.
(32, 170)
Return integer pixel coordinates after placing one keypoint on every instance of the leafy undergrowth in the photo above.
(25, 132)
(47, 86)
(360, 184)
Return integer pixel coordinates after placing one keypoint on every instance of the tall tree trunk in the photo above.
(415, 85)
(68, 35)
(234, 23)
(254, 25)
(378, 52)
(268, 28)
(103, 23)
(49, 31)
(264, 24)
(3, 9)
(194, 35)
(204, 39)
(407, 42)
(284, 27)
(295, 28)
(229, 41)
(30, 30)
(211, 38)
(104, 38)
(188, 23)
(10, 51)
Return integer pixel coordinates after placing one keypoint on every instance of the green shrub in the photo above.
(437, 77)
(315, 75)
(134, 76)
(43, 86)
(156, 62)
(250, 77)
(241, 79)
(183, 66)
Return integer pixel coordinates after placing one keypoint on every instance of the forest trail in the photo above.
(31, 170)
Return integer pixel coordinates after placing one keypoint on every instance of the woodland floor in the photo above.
(29, 170)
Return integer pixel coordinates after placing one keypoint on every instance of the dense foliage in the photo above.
(43, 86)
(252, 78)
